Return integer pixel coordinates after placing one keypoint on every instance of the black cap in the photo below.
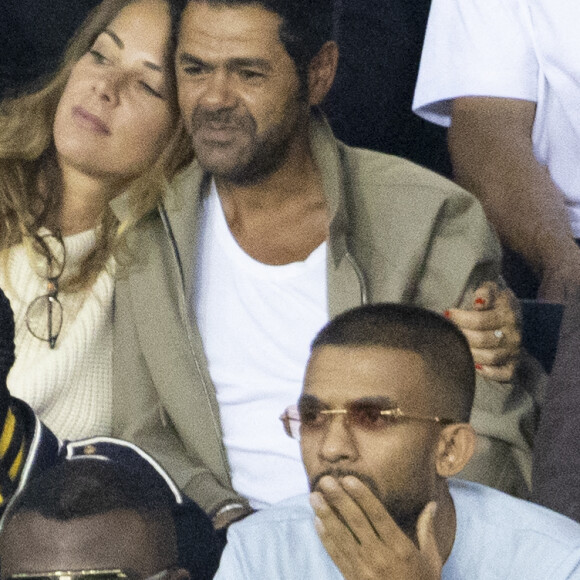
(6, 336)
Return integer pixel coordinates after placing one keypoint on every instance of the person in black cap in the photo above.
(100, 507)
(88, 517)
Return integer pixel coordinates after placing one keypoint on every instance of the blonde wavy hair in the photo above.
(27, 154)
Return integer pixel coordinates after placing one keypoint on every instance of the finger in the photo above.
(427, 539)
(500, 374)
(493, 357)
(348, 510)
(335, 535)
(383, 525)
(476, 319)
(484, 297)
(497, 339)
(339, 552)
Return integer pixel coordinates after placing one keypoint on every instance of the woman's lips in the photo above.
(90, 121)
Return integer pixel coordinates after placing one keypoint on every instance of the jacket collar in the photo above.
(181, 203)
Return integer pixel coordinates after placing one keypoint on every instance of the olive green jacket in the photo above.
(397, 233)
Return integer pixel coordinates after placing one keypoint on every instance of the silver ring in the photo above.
(499, 335)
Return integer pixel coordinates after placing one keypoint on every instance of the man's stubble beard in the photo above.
(405, 513)
(258, 156)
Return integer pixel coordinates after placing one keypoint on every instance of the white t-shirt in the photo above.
(256, 322)
(519, 49)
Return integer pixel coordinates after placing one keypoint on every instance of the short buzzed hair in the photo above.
(441, 345)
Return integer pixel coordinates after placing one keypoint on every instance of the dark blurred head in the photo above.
(93, 514)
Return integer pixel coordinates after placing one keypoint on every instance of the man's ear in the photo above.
(321, 72)
(455, 448)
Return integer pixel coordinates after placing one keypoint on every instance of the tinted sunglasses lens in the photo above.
(82, 574)
(291, 422)
(310, 415)
(367, 416)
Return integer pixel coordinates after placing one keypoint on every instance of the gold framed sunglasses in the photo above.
(366, 414)
(113, 574)
(44, 314)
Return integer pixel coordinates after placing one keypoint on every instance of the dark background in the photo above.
(369, 106)
(33, 34)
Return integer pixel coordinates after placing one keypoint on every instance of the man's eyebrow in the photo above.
(233, 63)
(308, 401)
(381, 401)
(260, 63)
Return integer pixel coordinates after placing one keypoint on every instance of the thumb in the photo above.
(484, 296)
(427, 539)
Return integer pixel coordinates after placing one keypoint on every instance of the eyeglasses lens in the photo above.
(44, 318)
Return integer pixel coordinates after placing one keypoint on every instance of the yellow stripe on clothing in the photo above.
(15, 469)
(7, 433)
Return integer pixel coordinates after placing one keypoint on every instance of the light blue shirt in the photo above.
(498, 538)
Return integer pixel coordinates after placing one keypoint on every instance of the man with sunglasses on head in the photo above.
(89, 519)
(383, 422)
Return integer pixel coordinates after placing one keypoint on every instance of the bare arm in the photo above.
(490, 141)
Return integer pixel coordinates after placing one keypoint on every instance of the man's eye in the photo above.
(370, 417)
(98, 57)
(251, 75)
(192, 70)
(311, 417)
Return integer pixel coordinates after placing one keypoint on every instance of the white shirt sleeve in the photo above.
(475, 48)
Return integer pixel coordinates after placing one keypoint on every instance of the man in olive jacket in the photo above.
(269, 168)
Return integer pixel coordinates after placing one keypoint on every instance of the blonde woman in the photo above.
(106, 123)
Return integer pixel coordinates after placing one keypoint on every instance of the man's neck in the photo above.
(445, 524)
(281, 218)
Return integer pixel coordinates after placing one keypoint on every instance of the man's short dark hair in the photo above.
(306, 25)
(88, 486)
(438, 341)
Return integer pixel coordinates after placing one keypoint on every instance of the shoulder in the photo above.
(388, 197)
(380, 177)
(283, 524)
(183, 183)
(294, 511)
(529, 537)
(278, 542)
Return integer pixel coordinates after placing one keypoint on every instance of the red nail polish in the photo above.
(480, 301)
(446, 313)
(478, 366)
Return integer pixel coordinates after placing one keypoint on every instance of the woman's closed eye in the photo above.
(98, 57)
(150, 90)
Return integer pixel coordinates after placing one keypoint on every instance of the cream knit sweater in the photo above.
(69, 387)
